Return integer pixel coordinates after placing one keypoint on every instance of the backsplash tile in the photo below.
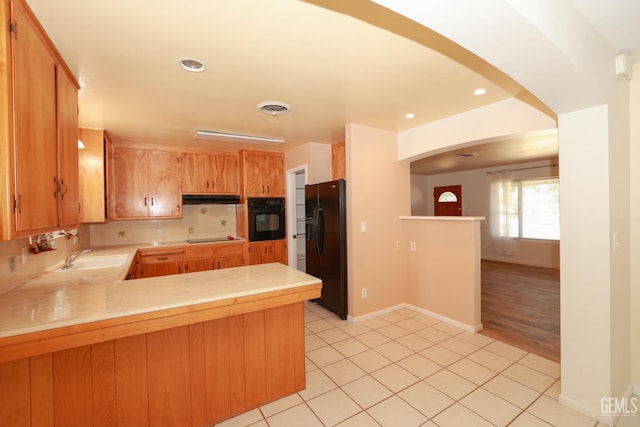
(197, 221)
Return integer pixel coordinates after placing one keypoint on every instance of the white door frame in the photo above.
(291, 212)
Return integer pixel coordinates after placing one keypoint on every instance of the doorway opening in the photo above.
(296, 180)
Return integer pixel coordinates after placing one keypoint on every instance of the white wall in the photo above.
(476, 202)
(634, 179)
(316, 156)
(508, 117)
(551, 49)
(377, 194)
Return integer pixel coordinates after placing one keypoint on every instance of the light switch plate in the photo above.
(363, 226)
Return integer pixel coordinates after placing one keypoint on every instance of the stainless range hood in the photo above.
(210, 199)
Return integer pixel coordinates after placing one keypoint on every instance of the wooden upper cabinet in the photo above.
(68, 175)
(210, 173)
(338, 161)
(93, 164)
(44, 185)
(145, 184)
(263, 173)
(35, 148)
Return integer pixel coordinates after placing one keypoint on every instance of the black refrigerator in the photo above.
(326, 242)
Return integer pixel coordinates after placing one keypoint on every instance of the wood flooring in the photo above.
(521, 307)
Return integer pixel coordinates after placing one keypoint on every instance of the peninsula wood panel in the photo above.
(169, 377)
(103, 367)
(15, 392)
(197, 374)
(338, 161)
(72, 387)
(42, 406)
(197, 365)
(131, 381)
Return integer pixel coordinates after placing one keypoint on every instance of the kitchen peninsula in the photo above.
(83, 347)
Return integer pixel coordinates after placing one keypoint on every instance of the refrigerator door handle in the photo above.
(319, 232)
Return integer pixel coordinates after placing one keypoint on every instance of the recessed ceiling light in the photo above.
(409, 116)
(480, 91)
(191, 64)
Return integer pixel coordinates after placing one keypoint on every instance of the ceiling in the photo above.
(331, 68)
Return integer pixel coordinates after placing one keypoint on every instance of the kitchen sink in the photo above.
(91, 263)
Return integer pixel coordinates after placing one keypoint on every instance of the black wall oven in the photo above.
(266, 218)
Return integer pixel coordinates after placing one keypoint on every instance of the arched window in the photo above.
(447, 196)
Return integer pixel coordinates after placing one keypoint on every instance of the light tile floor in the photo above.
(406, 369)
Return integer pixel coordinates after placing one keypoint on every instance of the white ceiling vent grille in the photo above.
(274, 108)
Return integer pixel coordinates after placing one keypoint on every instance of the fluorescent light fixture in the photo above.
(231, 137)
(479, 91)
(409, 116)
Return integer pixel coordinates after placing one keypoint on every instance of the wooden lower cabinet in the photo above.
(213, 257)
(268, 251)
(160, 263)
(192, 375)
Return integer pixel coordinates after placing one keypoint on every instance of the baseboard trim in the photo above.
(610, 420)
(444, 319)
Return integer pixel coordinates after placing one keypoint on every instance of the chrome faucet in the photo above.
(68, 262)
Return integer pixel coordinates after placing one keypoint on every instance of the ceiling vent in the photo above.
(274, 108)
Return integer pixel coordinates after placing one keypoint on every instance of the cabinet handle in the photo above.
(66, 189)
(19, 203)
(207, 184)
(218, 265)
(213, 184)
(152, 201)
(145, 201)
(179, 269)
(163, 258)
(265, 249)
(268, 189)
(263, 189)
(55, 188)
(270, 249)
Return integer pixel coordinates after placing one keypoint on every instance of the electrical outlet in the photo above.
(363, 226)
(121, 233)
(190, 230)
(364, 293)
(412, 246)
(397, 246)
(159, 232)
(12, 263)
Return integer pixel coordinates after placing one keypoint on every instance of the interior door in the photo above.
(447, 201)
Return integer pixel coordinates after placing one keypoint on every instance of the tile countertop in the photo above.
(57, 299)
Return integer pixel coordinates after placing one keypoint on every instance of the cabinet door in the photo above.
(68, 174)
(130, 183)
(195, 173)
(35, 148)
(278, 251)
(160, 264)
(225, 167)
(268, 251)
(276, 182)
(202, 264)
(230, 261)
(255, 169)
(164, 184)
(258, 252)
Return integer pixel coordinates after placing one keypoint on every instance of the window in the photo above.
(535, 209)
(447, 196)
